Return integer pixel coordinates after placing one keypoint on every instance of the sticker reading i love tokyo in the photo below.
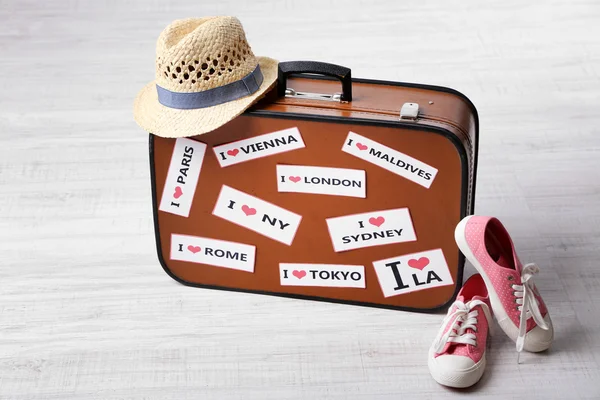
(323, 275)
(215, 252)
(259, 146)
(371, 229)
(321, 180)
(257, 215)
(390, 159)
(412, 272)
(182, 177)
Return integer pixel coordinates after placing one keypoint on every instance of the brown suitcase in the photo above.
(373, 225)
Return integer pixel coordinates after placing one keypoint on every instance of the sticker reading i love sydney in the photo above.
(257, 215)
(390, 159)
(412, 272)
(323, 275)
(371, 229)
(259, 146)
(321, 180)
(182, 177)
(215, 252)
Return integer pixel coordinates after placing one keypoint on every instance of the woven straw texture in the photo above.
(194, 55)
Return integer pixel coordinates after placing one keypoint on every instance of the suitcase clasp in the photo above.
(409, 111)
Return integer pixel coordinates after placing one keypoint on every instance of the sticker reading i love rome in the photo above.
(215, 252)
(323, 275)
(182, 177)
(259, 146)
(371, 229)
(321, 180)
(412, 272)
(257, 215)
(390, 159)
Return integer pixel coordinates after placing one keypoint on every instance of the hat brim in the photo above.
(173, 123)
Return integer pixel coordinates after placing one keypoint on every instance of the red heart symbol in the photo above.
(295, 179)
(418, 264)
(299, 274)
(361, 146)
(233, 152)
(194, 249)
(376, 221)
(178, 192)
(248, 210)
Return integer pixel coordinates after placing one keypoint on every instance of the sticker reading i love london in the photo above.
(390, 159)
(373, 228)
(182, 178)
(258, 146)
(257, 215)
(321, 180)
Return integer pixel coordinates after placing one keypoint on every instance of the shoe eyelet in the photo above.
(511, 278)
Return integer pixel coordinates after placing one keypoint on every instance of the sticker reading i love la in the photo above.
(219, 253)
(257, 215)
(390, 159)
(182, 177)
(371, 229)
(258, 146)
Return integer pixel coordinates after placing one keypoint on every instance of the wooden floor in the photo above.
(86, 311)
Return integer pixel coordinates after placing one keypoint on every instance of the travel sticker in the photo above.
(412, 272)
(390, 159)
(321, 180)
(371, 229)
(257, 215)
(215, 252)
(259, 146)
(182, 177)
(323, 275)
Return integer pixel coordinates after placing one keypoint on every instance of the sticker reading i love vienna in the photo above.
(390, 159)
(371, 229)
(257, 215)
(258, 146)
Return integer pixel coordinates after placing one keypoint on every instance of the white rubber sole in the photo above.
(456, 378)
(506, 324)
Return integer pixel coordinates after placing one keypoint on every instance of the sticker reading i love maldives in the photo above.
(323, 275)
(259, 146)
(321, 180)
(257, 215)
(182, 177)
(371, 229)
(390, 159)
(215, 252)
(412, 272)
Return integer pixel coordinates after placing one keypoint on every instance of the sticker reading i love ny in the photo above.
(390, 159)
(215, 252)
(371, 229)
(182, 177)
(321, 180)
(257, 215)
(412, 272)
(259, 146)
(323, 275)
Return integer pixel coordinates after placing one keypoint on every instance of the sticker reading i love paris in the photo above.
(390, 159)
(412, 272)
(323, 275)
(257, 215)
(259, 146)
(182, 177)
(215, 252)
(371, 229)
(321, 180)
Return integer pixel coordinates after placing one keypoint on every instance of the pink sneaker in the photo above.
(516, 302)
(457, 355)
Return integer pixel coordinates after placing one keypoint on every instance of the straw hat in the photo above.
(206, 75)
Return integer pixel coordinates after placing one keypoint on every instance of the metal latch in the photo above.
(409, 111)
(313, 96)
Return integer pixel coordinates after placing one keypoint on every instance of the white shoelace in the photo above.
(463, 318)
(528, 304)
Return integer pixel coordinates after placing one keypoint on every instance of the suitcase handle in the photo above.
(313, 67)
